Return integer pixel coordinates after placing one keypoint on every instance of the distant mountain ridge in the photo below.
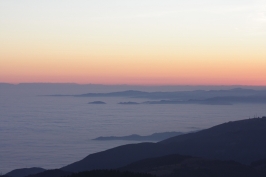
(226, 100)
(178, 94)
(211, 97)
(134, 137)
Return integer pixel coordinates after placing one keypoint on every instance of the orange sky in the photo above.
(157, 43)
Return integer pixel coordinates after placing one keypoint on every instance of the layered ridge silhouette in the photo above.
(242, 141)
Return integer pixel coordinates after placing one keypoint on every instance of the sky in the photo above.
(140, 42)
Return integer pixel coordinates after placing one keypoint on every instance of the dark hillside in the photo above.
(241, 141)
(51, 173)
(119, 156)
(109, 173)
(24, 172)
(177, 165)
(260, 165)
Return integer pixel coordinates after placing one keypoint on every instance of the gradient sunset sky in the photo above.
(149, 42)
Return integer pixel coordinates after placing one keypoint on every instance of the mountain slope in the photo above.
(24, 172)
(242, 141)
(109, 173)
(51, 173)
(119, 156)
(186, 166)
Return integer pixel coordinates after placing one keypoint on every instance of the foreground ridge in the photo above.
(241, 141)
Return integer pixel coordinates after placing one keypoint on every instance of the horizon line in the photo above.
(144, 85)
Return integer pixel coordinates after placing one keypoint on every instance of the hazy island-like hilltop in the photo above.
(129, 103)
(97, 102)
